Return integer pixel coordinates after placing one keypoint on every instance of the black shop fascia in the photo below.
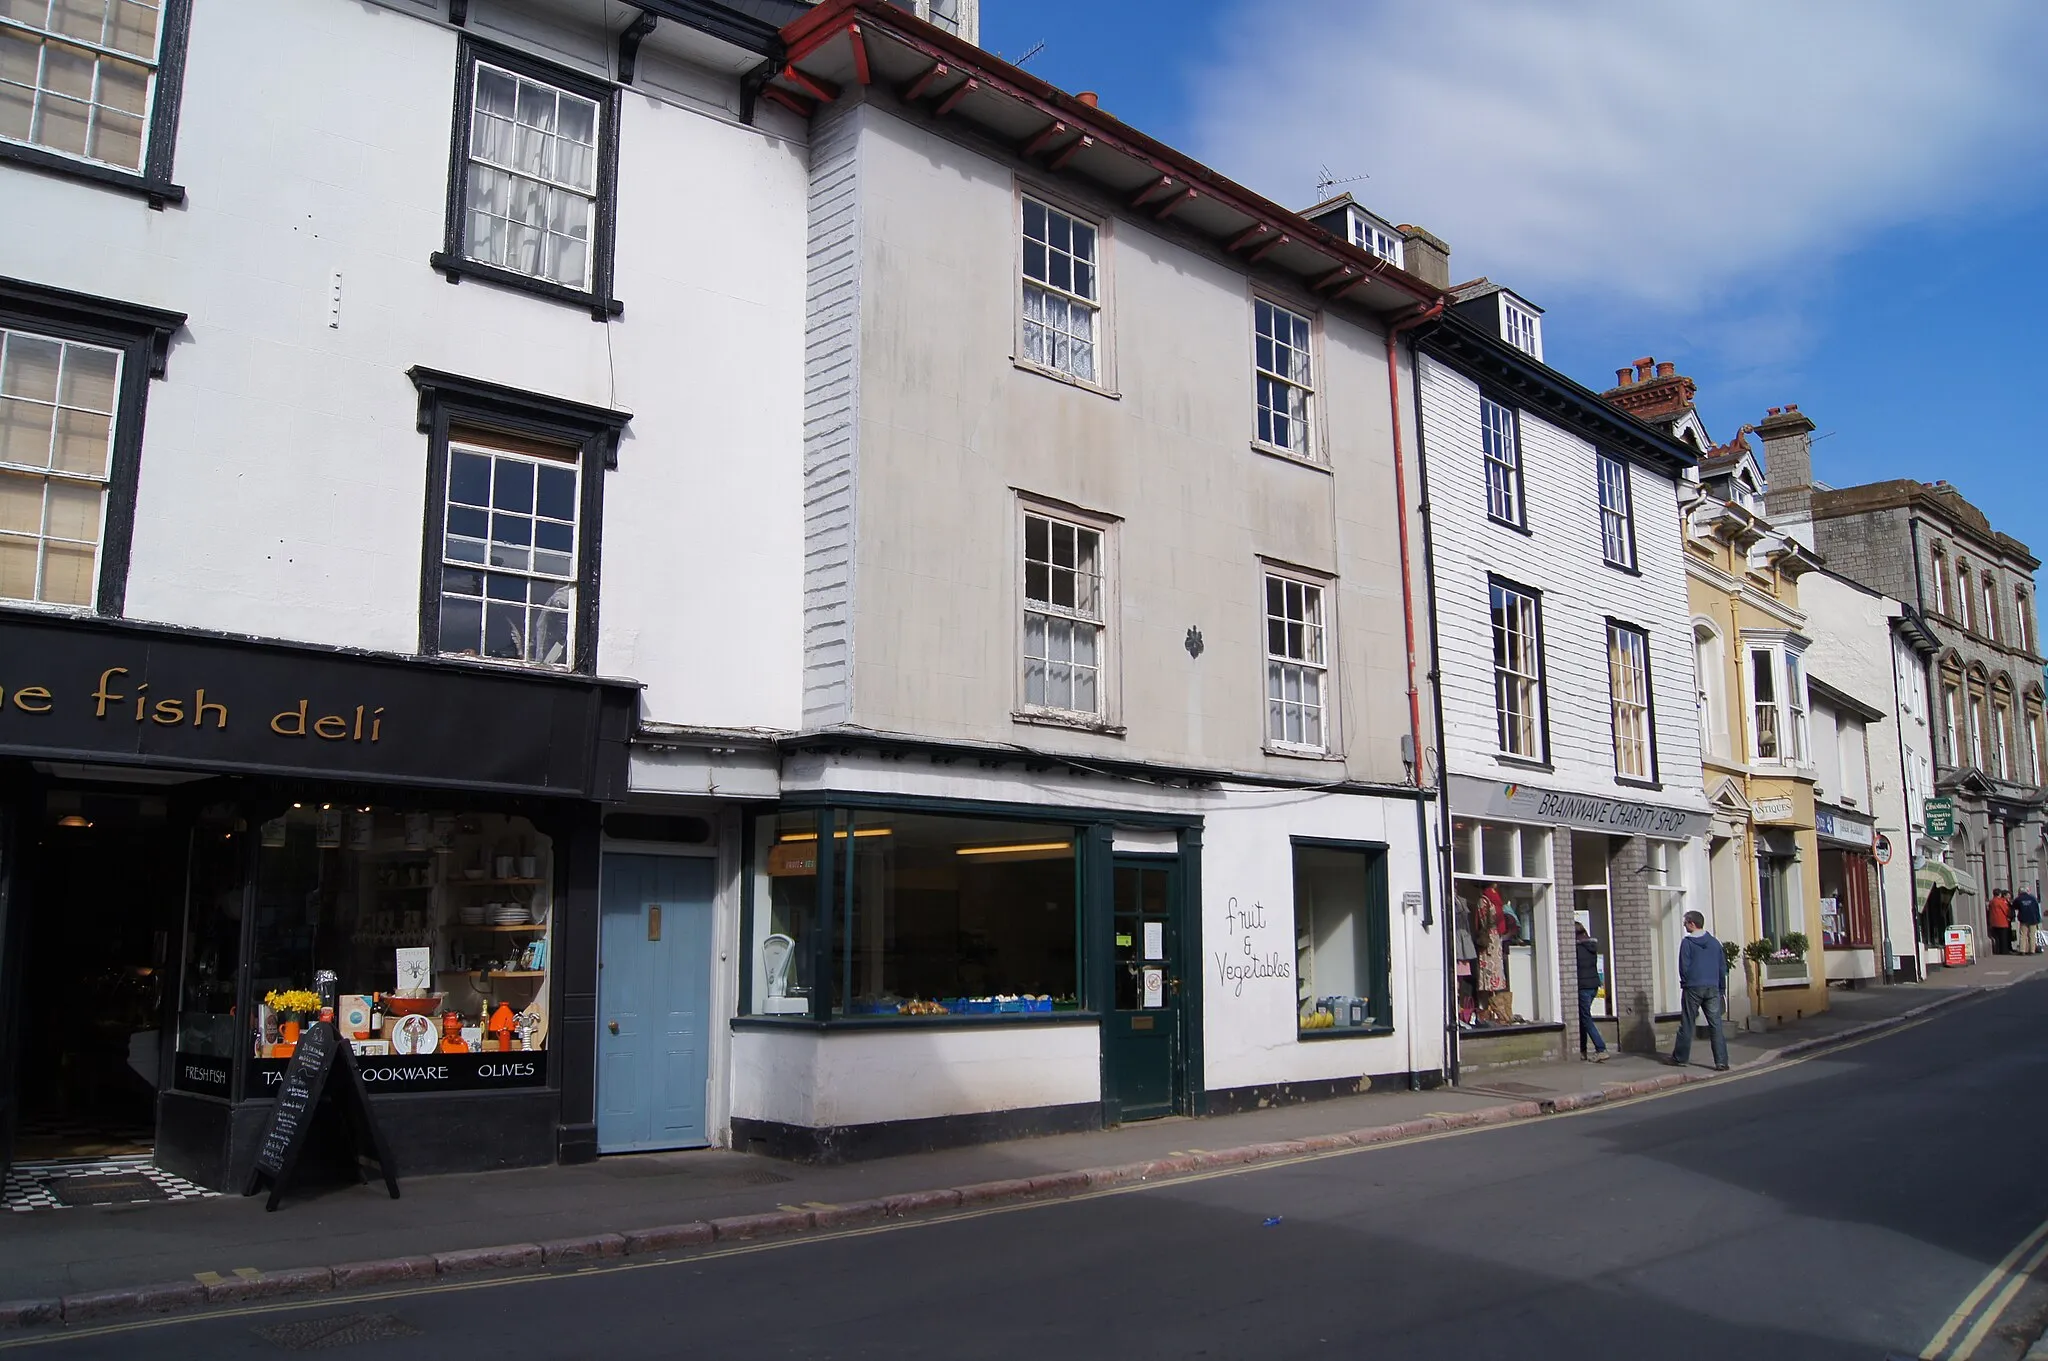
(194, 826)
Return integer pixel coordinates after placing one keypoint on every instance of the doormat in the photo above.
(339, 1330)
(120, 1188)
(31, 1185)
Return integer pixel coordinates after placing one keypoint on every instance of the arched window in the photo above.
(1940, 580)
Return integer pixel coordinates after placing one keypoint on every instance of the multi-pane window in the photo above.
(1061, 290)
(1951, 722)
(1940, 580)
(1628, 683)
(1990, 584)
(1064, 615)
(2034, 743)
(1617, 512)
(1280, 365)
(1500, 445)
(1795, 709)
(1963, 605)
(77, 76)
(2023, 627)
(2001, 749)
(1520, 328)
(1518, 670)
(1766, 726)
(1297, 665)
(1376, 239)
(532, 178)
(57, 407)
(509, 554)
(1977, 726)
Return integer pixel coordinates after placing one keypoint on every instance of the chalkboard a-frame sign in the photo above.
(322, 1083)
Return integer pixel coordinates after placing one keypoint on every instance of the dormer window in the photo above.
(1521, 328)
(1376, 237)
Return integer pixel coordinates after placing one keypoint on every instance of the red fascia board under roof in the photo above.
(808, 38)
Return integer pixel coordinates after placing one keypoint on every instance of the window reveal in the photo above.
(1063, 615)
(1284, 379)
(1295, 663)
(57, 416)
(1060, 291)
(508, 580)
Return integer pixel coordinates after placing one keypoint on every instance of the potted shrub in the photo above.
(1757, 954)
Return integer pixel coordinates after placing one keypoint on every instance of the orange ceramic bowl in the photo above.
(408, 1006)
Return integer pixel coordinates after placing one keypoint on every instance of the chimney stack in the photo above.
(1788, 464)
(1426, 256)
(1650, 391)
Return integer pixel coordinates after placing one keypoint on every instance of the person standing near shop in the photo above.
(1998, 915)
(2026, 910)
(1702, 974)
(1589, 988)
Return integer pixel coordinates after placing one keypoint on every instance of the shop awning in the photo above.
(1934, 875)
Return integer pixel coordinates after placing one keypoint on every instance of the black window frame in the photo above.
(143, 336)
(153, 182)
(1379, 933)
(1628, 510)
(1655, 779)
(446, 400)
(452, 261)
(1541, 761)
(1520, 524)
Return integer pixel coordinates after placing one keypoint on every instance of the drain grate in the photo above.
(339, 1330)
(121, 1188)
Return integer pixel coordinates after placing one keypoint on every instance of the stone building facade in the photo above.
(1924, 543)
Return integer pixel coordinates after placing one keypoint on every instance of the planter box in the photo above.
(1790, 972)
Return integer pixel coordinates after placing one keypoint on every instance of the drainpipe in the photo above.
(1906, 800)
(1443, 774)
(1415, 754)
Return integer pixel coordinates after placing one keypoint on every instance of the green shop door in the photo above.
(1144, 1038)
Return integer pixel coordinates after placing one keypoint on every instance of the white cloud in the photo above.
(1658, 152)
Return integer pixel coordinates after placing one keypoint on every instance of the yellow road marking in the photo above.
(1993, 1311)
(981, 1212)
(1992, 1280)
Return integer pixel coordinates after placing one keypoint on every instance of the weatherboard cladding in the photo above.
(1561, 557)
(831, 415)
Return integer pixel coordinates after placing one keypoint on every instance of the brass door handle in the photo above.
(614, 1025)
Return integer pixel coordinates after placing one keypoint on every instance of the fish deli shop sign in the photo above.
(1587, 812)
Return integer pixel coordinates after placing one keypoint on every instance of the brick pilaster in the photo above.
(1628, 894)
(1561, 929)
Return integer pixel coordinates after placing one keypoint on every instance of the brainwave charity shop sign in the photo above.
(1587, 812)
(108, 691)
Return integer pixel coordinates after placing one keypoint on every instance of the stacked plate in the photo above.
(472, 914)
(509, 914)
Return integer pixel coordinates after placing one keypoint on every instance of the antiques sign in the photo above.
(101, 691)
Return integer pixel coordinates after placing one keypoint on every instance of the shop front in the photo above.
(201, 827)
(1849, 888)
(1529, 868)
(934, 955)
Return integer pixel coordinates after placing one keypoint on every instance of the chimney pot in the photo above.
(1644, 368)
(1087, 97)
(1666, 370)
(1624, 377)
(1774, 410)
(1791, 406)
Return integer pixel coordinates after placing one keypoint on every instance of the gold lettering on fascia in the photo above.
(112, 699)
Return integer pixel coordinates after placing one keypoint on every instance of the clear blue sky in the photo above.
(1842, 209)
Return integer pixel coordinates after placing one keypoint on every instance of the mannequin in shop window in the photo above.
(1493, 929)
(1467, 953)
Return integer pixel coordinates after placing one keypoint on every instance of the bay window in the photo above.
(1777, 703)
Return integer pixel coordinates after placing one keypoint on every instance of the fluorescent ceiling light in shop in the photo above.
(1016, 848)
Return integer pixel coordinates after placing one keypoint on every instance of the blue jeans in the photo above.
(1697, 1000)
(1586, 1025)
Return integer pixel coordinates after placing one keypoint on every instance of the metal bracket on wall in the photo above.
(629, 45)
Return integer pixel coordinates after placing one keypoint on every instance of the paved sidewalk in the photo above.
(84, 1263)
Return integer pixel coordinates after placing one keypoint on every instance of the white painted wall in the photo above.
(1854, 651)
(282, 484)
(1561, 557)
(820, 1080)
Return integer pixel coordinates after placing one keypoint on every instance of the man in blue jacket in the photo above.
(1702, 978)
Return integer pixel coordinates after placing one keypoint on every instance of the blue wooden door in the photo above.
(654, 1003)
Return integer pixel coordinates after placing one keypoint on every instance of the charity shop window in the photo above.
(531, 189)
(1505, 954)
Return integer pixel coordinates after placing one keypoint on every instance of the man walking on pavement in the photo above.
(2026, 910)
(1702, 974)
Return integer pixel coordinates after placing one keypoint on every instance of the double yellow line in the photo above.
(1999, 1287)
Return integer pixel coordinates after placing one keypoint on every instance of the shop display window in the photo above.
(1845, 919)
(1515, 860)
(1593, 908)
(213, 947)
(1666, 861)
(929, 916)
(435, 927)
(1341, 938)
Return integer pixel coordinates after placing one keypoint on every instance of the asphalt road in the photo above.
(1840, 1207)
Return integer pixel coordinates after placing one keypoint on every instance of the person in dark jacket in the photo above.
(1702, 977)
(1589, 988)
(2026, 910)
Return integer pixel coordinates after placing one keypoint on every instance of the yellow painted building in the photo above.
(1742, 577)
